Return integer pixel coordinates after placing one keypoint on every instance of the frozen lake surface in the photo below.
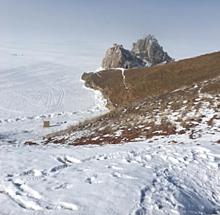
(41, 81)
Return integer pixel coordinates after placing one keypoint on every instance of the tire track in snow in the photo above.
(55, 98)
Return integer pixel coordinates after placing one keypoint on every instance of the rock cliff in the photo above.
(149, 50)
(118, 57)
(146, 52)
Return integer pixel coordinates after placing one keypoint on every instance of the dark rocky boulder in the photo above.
(150, 51)
(118, 57)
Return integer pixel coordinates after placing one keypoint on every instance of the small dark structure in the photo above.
(46, 124)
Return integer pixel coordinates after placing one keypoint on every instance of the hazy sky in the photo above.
(175, 23)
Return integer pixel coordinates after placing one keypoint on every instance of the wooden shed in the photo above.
(46, 124)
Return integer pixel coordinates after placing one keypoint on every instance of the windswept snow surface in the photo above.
(166, 175)
(149, 177)
(41, 81)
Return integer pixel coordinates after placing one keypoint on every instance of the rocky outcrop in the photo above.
(92, 80)
(146, 52)
(124, 87)
(150, 51)
(118, 57)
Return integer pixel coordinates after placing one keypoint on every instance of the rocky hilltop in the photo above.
(150, 51)
(118, 57)
(146, 52)
(121, 87)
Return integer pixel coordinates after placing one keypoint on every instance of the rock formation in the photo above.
(149, 49)
(118, 57)
(132, 85)
(146, 52)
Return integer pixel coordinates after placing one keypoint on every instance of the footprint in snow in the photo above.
(33, 172)
(67, 206)
(114, 167)
(22, 198)
(93, 180)
(57, 168)
(63, 186)
(68, 160)
(123, 176)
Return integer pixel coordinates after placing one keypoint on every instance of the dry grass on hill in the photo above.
(159, 101)
(151, 81)
(144, 119)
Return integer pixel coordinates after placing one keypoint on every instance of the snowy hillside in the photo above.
(167, 160)
(174, 174)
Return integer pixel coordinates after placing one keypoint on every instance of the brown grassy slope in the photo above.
(138, 120)
(150, 81)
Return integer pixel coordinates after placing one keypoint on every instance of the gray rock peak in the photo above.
(118, 57)
(149, 49)
(145, 52)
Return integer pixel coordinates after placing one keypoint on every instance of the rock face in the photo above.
(118, 57)
(149, 49)
(146, 52)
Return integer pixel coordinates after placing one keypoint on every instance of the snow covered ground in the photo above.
(42, 81)
(148, 177)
